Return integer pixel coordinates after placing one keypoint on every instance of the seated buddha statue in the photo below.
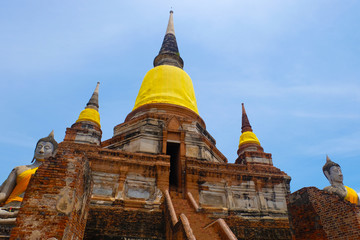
(333, 173)
(13, 189)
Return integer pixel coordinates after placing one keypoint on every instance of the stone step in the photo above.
(198, 221)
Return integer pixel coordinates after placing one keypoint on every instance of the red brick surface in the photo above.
(198, 221)
(316, 214)
(111, 222)
(261, 229)
(39, 217)
(125, 218)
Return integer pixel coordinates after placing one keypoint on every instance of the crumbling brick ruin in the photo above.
(161, 176)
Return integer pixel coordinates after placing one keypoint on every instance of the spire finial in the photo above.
(169, 52)
(91, 111)
(94, 100)
(170, 28)
(245, 127)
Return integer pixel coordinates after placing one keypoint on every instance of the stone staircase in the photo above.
(198, 221)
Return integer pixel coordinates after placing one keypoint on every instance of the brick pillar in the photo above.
(56, 202)
(316, 214)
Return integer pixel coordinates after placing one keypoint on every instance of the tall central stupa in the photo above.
(160, 176)
(167, 82)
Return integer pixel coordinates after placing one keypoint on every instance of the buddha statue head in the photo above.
(333, 172)
(46, 147)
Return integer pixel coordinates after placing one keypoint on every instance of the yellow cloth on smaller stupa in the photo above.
(89, 114)
(248, 137)
(351, 195)
(22, 182)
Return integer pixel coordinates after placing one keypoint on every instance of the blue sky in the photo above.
(295, 65)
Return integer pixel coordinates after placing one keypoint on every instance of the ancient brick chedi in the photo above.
(159, 177)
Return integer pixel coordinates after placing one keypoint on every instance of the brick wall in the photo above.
(118, 223)
(315, 214)
(262, 229)
(56, 202)
(260, 223)
(202, 171)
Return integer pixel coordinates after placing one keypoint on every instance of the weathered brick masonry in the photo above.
(127, 189)
(262, 222)
(160, 176)
(116, 223)
(316, 214)
(57, 200)
(261, 229)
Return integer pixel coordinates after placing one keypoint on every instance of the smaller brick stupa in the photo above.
(87, 128)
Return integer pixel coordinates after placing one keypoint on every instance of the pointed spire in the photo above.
(94, 100)
(246, 127)
(91, 111)
(170, 27)
(169, 52)
(247, 136)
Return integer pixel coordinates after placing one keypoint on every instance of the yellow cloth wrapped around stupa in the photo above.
(167, 84)
(89, 114)
(248, 137)
(351, 195)
(22, 182)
